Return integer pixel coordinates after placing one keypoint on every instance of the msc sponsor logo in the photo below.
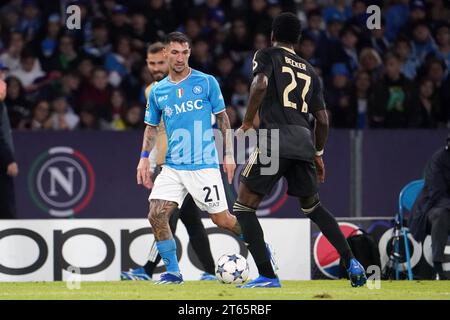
(61, 181)
(188, 106)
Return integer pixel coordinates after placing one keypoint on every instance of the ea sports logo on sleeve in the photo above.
(61, 181)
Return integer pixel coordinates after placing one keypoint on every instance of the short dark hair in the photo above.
(155, 47)
(177, 37)
(286, 27)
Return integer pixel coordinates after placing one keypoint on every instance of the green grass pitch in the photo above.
(211, 290)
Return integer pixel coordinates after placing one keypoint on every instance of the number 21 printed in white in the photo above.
(291, 86)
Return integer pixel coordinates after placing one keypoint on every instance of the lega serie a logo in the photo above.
(61, 181)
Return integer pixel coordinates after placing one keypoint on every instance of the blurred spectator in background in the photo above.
(96, 93)
(424, 107)
(225, 74)
(119, 25)
(133, 117)
(48, 43)
(65, 57)
(360, 15)
(305, 9)
(117, 107)
(100, 44)
(260, 41)
(314, 29)
(388, 104)
(11, 57)
(359, 98)
(192, 28)
(30, 22)
(274, 8)
(235, 120)
(140, 33)
(396, 17)
(442, 35)
(160, 19)
(8, 166)
(118, 63)
(18, 106)
(62, 116)
(346, 52)
(435, 70)
(40, 117)
(307, 50)
(370, 62)
(225, 35)
(89, 119)
(257, 17)
(378, 39)
(439, 11)
(240, 96)
(29, 71)
(417, 14)
(238, 44)
(330, 43)
(85, 68)
(339, 10)
(200, 58)
(337, 97)
(69, 86)
(422, 42)
(410, 63)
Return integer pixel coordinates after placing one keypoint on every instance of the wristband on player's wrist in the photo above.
(145, 154)
(319, 153)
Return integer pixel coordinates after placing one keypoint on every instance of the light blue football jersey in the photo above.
(186, 108)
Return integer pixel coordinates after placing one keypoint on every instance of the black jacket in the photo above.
(6, 146)
(435, 193)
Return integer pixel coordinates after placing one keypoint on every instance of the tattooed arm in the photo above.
(144, 175)
(223, 123)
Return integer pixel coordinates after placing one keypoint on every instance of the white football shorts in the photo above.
(204, 185)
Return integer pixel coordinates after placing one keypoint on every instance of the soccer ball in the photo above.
(232, 268)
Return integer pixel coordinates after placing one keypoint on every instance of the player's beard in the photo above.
(179, 69)
(158, 76)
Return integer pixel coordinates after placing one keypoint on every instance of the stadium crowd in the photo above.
(94, 77)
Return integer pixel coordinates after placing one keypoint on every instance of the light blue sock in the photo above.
(168, 251)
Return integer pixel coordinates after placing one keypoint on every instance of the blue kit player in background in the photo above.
(186, 100)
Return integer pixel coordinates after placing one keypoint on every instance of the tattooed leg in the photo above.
(160, 212)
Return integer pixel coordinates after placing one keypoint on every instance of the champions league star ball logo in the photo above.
(61, 181)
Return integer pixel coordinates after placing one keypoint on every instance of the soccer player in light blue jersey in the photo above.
(185, 101)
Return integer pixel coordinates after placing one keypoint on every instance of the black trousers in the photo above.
(439, 224)
(7, 196)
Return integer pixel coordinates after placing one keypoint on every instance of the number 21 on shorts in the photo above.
(209, 194)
